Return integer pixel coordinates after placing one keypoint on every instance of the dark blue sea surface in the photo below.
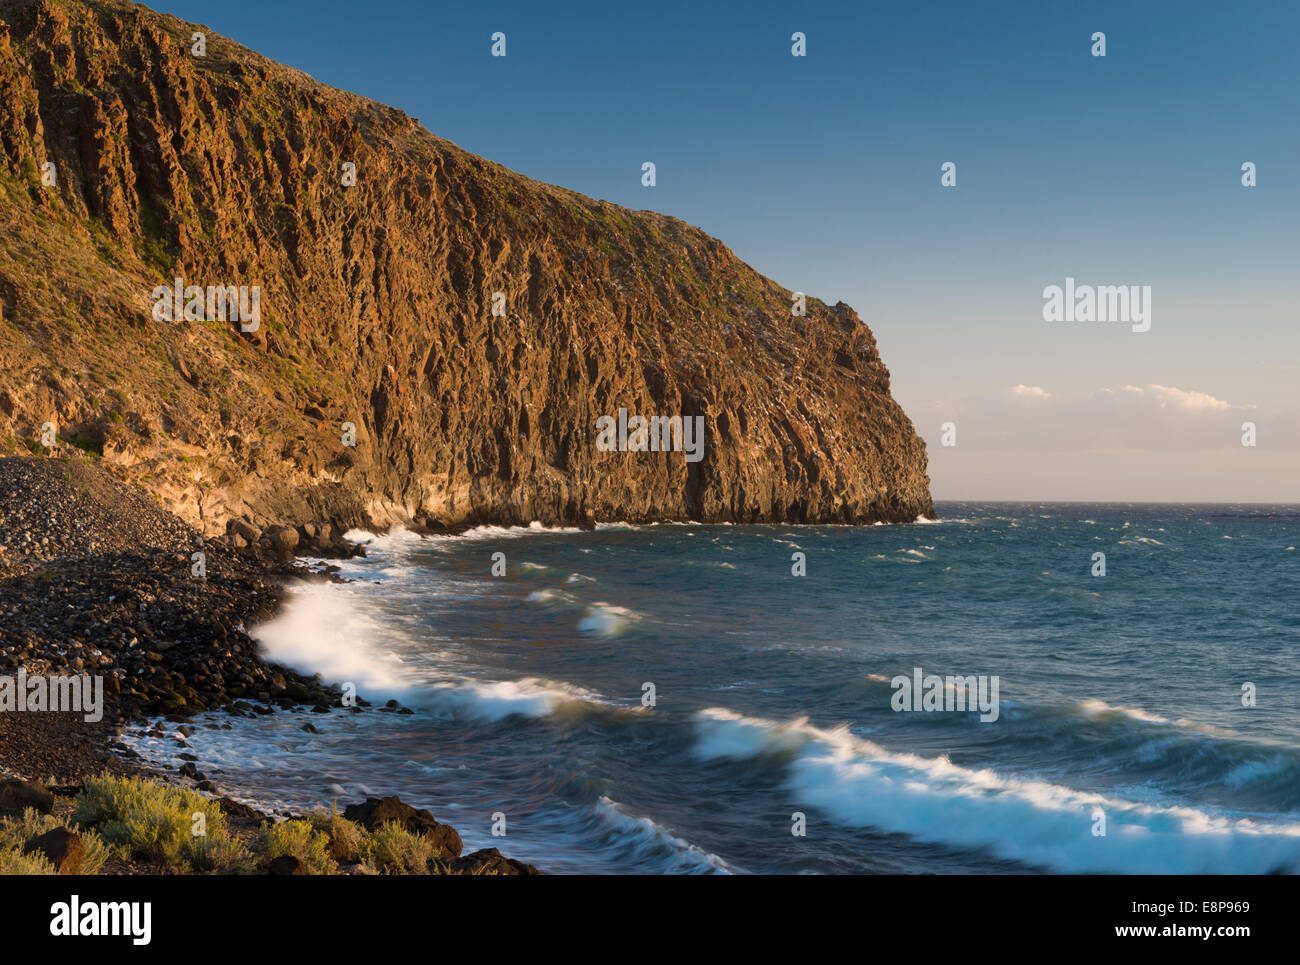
(1121, 696)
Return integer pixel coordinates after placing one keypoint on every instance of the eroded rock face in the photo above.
(377, 310)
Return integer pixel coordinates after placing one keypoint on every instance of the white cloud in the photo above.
(1150, 417)
(1031, 391)
(1187, 400)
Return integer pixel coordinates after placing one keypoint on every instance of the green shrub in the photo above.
(221, 854)
(393, 850)
(14, 862)
(346, 838)
(16, 832)
(304, 842)
(149, 821)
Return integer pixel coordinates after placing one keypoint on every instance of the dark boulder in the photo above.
(16, 795)
(491, 861)
(235, 809)
(287, 864)
(283, 538)
(64, 849)
(375, 812)
(244, 530)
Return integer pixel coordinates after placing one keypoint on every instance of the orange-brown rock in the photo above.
(377, 310)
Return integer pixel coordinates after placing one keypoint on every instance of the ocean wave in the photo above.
(494, 700)
(1137, 745)
(648, 839)
(326, 628)
(860, 784)
(1099, 708)
(607, 620)
(399, 537)
(334, 630)
(1092, 707)
(534, 528)
(396, 538)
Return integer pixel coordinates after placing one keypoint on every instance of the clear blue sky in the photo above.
(823, 173)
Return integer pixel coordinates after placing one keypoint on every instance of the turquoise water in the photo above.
(1120, 696)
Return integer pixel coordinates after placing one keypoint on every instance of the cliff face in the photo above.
(376, 309)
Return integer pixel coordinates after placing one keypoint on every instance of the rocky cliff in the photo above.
(126, 161)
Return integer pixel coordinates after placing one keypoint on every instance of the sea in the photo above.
(711, 699)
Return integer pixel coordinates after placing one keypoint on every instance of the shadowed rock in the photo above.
(15, 795)
(63, 848)
(374, 812)
(286, 864)
(491, 861)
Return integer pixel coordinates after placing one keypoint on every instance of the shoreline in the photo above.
(96, 580)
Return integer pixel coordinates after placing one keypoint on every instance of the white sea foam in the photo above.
(534, 528)
(1095, 708)
(493, 700)
(326, 628)
(1099, 708)
(607, 620)
(336, 630)
(645, 835)
(396, 538)
(860, 784)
